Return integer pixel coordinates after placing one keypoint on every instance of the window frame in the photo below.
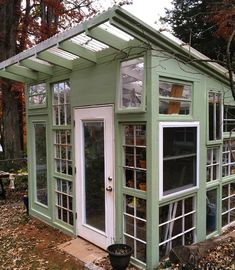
(213, 141)
(190, 101)
(229, 163)
(230, 209)
(35, 194)
(37, 106)
(163, 125)
(217, 165)
(63, 105)
(142, 107)
(226, 107)
(173, 205)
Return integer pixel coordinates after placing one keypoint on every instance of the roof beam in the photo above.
(11, 76)
(55, 59)
(78, 50)
(107, 38)
(29, 63)
(22, 71)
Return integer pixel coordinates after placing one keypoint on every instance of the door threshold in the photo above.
(83, 250)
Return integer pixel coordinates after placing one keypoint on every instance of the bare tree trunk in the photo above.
(9, 19)
(229, 64)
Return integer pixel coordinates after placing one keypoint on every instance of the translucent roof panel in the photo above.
(62, 53)
(115, 31)
(89, 43)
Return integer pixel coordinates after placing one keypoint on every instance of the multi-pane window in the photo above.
(228, 166)
(178, 157)
(228, 204)
(211, 214)
(229, 118)
(135, 225)
(37, 94)
(41, 162)
(176, 225)
(134, 172)
(134, 146)
(131, 84)
(61, 104)
(175, 98)
(213, 164)
(63, 151)
(64, 201)
(215, 116)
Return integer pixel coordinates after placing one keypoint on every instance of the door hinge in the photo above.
(76, 215)
(75, 170)
(74, 123)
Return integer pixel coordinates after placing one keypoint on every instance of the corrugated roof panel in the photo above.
(62, 53)
(115, 31)
(89, 43)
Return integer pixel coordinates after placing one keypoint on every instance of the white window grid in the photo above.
(61, 104)
(134, 156)
(63, 151)
(167, 244)
(37, 94)
(135, 233)
(228, 166)
(64, 201)
(228, 204)
(213, 164)
(216, 99)
(161, 159)
(165, 99)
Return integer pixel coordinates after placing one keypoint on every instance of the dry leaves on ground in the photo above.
(27, 243)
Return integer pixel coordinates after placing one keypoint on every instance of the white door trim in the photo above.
(105, 113)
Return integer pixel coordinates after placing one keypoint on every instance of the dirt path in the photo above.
(26, 243)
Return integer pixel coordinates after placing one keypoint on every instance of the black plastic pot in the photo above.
(119, 255)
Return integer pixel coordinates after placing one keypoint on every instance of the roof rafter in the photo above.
(55, 59)
(29, 63)
(107, 38)
(78, 50)
(22, 71)
(7, 75)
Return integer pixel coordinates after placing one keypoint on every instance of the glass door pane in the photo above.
(94, 174)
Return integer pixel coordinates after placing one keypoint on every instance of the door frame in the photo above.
(93, 113)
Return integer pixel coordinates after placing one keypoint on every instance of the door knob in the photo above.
(109, 188)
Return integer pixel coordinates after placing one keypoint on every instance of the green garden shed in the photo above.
(130, 136)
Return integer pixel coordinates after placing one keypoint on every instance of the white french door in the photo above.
(94, 154)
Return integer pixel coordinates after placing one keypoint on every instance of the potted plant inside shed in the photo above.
(119, 255)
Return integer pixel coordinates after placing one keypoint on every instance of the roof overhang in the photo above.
(115, 29)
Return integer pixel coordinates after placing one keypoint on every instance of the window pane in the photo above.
(41, 162)
(175, 98)
(37, 94)
(176, 225)
(174, 107)
(94, 169)
(215, 116)
(179, 158)
(61, 104)
(211, 211)
(132, 77)
(229, 118)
